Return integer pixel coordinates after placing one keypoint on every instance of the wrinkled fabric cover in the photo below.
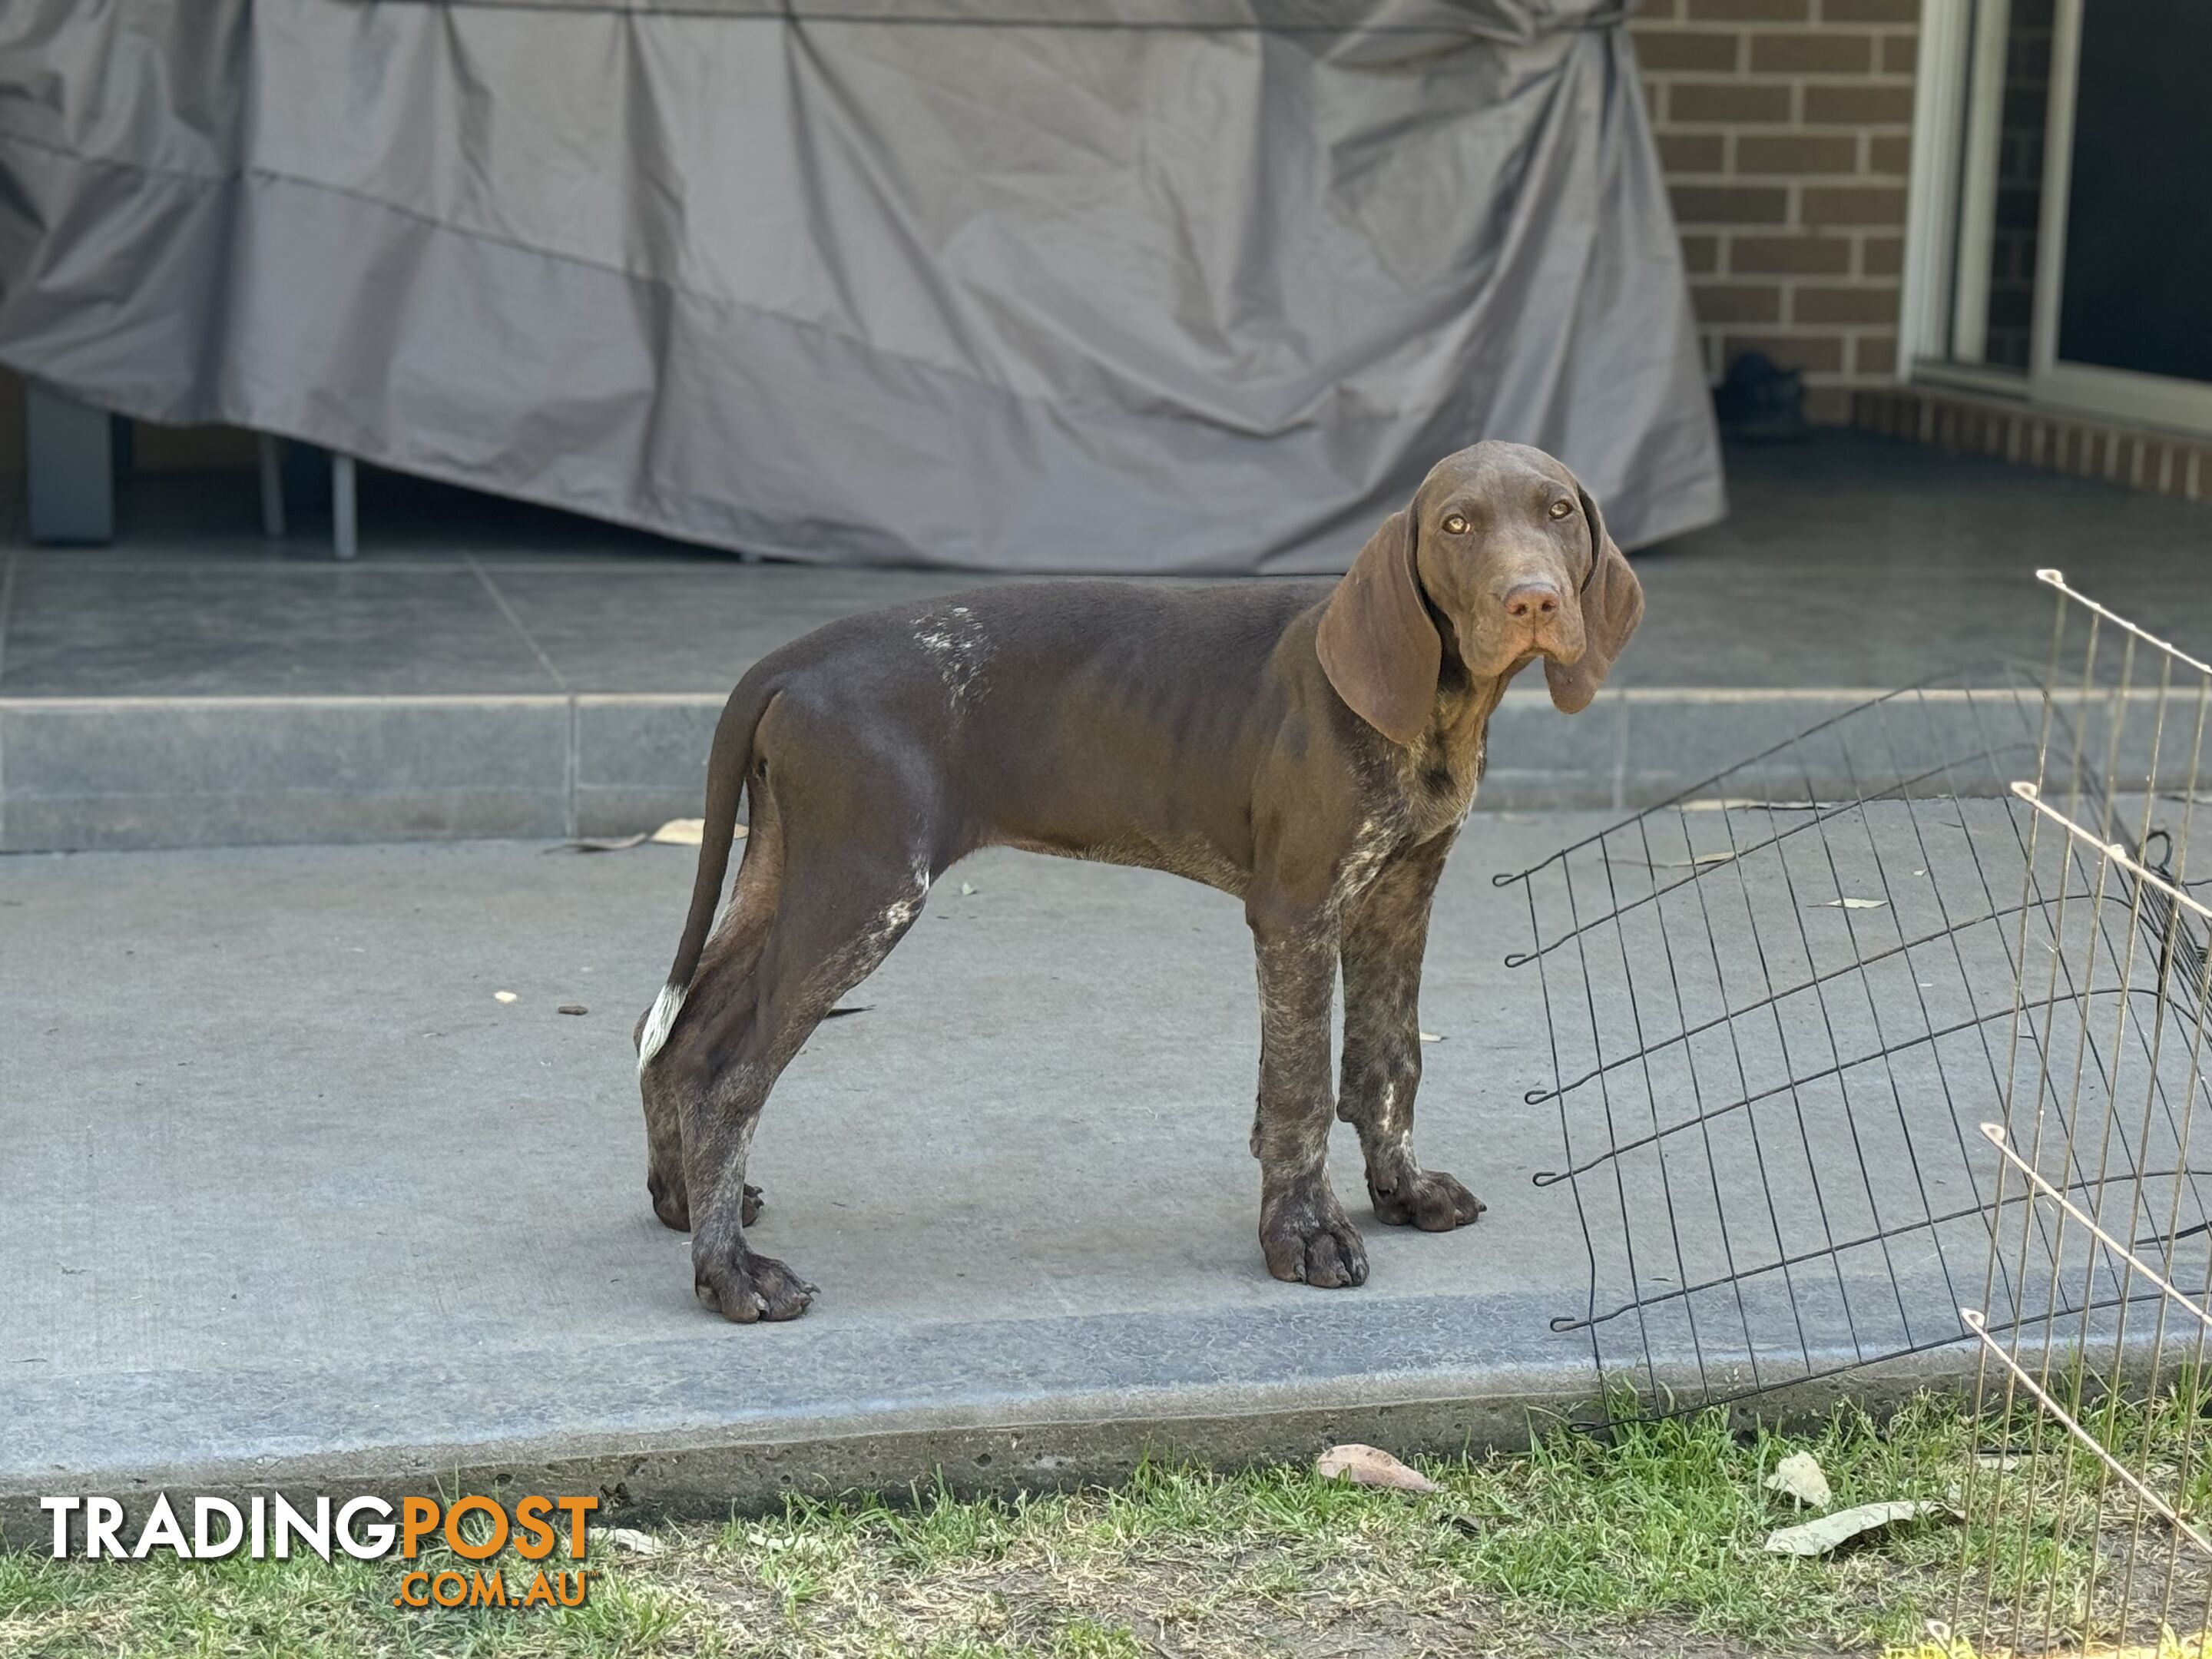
(1142, 285)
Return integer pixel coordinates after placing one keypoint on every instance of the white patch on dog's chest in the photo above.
(1373, 841)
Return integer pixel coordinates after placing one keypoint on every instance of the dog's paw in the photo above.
(1312, 1242)
(746, 1288)
(1429, 1200)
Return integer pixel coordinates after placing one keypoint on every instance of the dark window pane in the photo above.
(2139, 211)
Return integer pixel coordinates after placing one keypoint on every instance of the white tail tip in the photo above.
(659, 1023)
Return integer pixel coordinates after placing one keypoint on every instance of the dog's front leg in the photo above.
(1303, 1230)
(1386, 931)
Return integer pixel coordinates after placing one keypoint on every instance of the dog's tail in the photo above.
(729, 762)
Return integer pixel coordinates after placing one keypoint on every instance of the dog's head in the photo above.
(1502, 557)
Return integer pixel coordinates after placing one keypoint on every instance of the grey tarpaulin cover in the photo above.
(1150, 285)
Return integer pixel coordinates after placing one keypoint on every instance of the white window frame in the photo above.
(1950, 211)
(2158, 399)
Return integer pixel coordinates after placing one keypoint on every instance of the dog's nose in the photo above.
(1532, 602)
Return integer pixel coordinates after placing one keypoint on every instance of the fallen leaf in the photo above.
(687, 832)
(1851, 904)
(1821, 1536)
(1430, 1036)
(629, 1539)
(503, 996)
(1799, 1475)
(1369, 1466)
(572, 1008)
(840, 1013)
(966, 888)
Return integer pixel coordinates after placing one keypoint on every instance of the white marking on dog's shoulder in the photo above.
(659, 1023)
(953, 638)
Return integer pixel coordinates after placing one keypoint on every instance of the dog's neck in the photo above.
(1445, 763)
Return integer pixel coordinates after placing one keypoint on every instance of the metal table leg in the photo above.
(344, 529)
(272, 486)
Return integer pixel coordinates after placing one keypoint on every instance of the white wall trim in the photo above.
(1932, 192)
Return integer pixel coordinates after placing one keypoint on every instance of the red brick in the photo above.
(1900, 55)
(1682, 49)
(1813, 54)
(1875, 354)
(1820, 354)
(1881, 256)
(1701, 255)
(1729, 204)
(1870, 11)
(1799, 255)
(1727, 100)
(1843, 305)
(1889, 153)
(1736, 303)
(1854, 205)
(1776, 152)
(1858, 107)
(1752, 11)
(1691, 152)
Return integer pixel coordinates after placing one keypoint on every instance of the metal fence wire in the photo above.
(1782, 1004)
(2085, 1508)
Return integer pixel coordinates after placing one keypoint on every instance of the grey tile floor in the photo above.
(1847, 561)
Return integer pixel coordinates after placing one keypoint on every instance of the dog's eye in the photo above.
(1561, 508)
(1455, 524)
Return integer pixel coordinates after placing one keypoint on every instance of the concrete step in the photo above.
(135, 773)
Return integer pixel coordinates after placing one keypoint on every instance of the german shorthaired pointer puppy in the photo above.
(1311, 747)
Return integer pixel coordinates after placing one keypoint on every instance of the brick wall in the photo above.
(1785, 128)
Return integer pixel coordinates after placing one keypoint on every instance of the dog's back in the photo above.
(1090, 718)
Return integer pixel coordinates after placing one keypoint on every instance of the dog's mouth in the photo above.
(1518, 648)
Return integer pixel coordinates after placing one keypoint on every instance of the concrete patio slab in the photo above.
(291, 1200)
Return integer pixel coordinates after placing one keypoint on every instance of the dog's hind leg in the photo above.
(844, 899)
(722, 978)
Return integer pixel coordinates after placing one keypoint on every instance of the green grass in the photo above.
(1649, 1544)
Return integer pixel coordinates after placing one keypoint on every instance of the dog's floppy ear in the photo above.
(1612, 604)
(1377, 644)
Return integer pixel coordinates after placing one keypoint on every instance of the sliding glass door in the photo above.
(2063, 205)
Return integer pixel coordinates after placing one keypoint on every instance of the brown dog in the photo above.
(1311, 747)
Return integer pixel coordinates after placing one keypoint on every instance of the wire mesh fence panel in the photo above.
(1782, 1003)
(2085, 1503)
